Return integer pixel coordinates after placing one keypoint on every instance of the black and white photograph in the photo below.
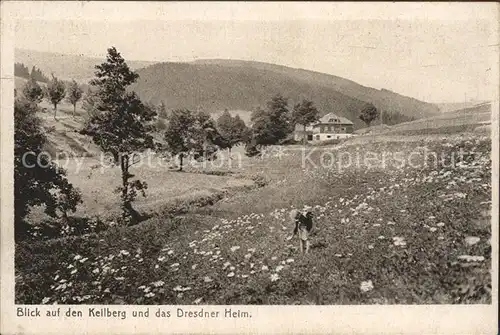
(283, 154)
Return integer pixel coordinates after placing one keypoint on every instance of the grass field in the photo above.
(387, 234)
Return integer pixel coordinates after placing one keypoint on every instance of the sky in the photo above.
(443, 52)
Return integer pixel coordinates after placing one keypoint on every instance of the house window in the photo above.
(317, 137)
(328, 136)
(309, 137)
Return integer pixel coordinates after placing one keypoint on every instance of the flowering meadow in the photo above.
(385, 235)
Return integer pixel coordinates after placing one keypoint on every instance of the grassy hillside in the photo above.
(447, 107)
(242, 85)
(462, 120)
(215, 87)
(382, 99)
(386, 235)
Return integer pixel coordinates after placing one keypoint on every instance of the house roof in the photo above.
(330, 116)
(326, 119)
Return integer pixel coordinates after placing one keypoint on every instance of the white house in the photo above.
(329, 127)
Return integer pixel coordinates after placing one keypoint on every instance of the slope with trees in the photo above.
(37, 180)
(244, 86)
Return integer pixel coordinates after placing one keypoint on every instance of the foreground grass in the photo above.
(386, 235)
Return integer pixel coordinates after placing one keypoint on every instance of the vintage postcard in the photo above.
(249, 167)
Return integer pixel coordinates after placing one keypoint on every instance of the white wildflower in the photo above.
(158, 283)
(471, 258)
(366, 286)
(471, 240)
(399, 241)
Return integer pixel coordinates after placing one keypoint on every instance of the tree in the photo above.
(38, 75)
(210, 139)
(241, 130)
(280, 116)
(91, 102)
(37, 180)
(180, 134)
(162, 110)
(193, 133)
(75, 93)
(56, 91)
(21, 70)
(122, 126)
(304, 114)
(272, 125)
(232, 129)
(368, 114)
(32, 91)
